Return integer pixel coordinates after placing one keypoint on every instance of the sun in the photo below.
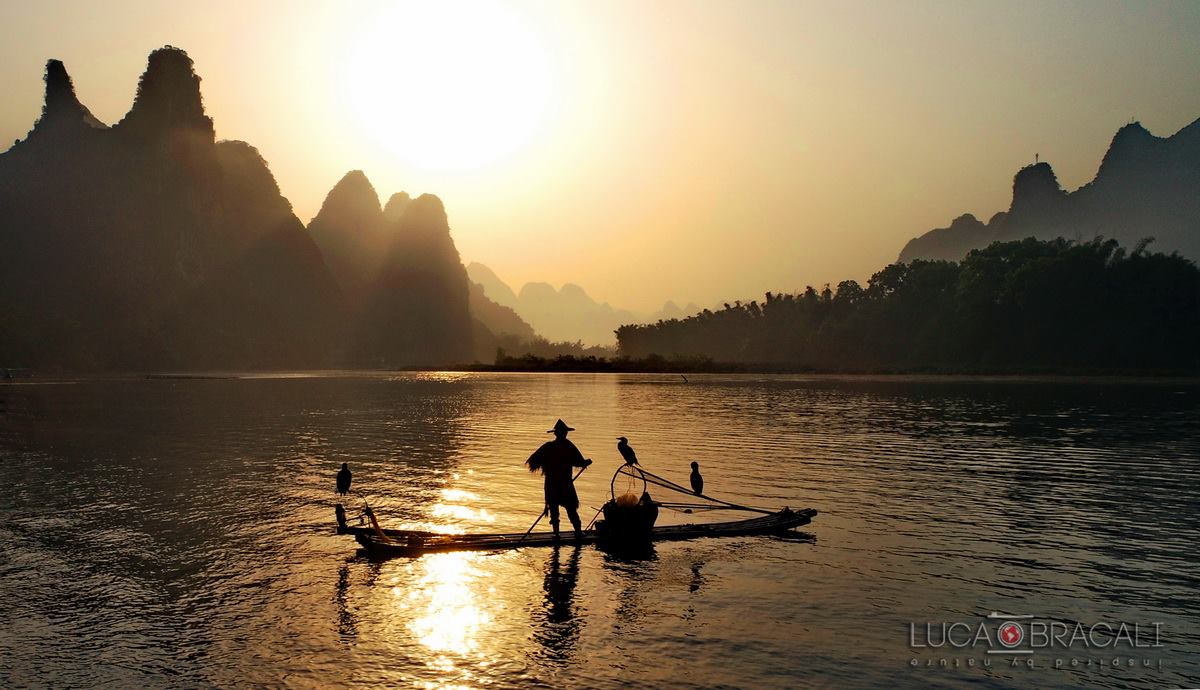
(449, 85)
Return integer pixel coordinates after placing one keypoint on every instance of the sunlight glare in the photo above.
(462, 513)
(451, 507)
(454, 616)
(449, 85)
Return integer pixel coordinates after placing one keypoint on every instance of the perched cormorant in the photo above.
(343, 480)
(626, 451)
(697, 480)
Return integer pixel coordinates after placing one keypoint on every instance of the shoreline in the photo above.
(679, 375)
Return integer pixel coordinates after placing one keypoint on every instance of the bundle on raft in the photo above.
(628, 520)
(628, 523)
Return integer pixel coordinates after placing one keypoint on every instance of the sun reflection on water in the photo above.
(449, 600)
(435, 376)
(451, 506)
(450, 516)
(458, 495)
(442, 510)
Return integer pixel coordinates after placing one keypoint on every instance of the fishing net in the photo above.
(689, 501)
(630, 495)
(629, 480)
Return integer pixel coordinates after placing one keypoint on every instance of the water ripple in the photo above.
(175, 533)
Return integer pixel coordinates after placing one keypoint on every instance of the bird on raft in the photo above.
(626, 451)
(697, 480)
(343, 479)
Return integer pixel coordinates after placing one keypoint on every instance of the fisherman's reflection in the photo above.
(559, 635)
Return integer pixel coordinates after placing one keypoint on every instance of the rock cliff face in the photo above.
(168, 101)
(63, 116)
(148, 245)
(407, 292)
(1147, 186)
(418, 311)
(352, 233)
(396, 205)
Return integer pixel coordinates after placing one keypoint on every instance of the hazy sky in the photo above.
(695, 151)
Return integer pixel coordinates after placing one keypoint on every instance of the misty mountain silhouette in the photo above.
(149, 244)
(352, 233)
(63, 116)
(1147, 186)
(498, 319)
(396, 205)
(496, 290)
(406, 289)
(569, 313)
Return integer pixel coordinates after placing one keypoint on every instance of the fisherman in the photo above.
(555, 459)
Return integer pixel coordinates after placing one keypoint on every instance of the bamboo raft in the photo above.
(629, 524)
(392, 542)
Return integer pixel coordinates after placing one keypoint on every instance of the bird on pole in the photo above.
(697, 480)
(626, 451)
(343, 479)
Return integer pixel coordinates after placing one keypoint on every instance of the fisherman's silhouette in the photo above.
(343, 479)
(697, 480)
(555, 460)
(626, 451)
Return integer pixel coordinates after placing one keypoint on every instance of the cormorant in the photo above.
(626, 451)
(343, 480)
(697, 480)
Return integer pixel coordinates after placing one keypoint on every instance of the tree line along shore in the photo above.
(1021, 307)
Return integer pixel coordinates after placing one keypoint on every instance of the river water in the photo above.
(179, 532)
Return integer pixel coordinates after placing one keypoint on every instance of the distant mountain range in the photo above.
(1147, 186)
(568, 313)
(149, 245)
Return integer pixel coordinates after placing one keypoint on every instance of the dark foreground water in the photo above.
(178, 533)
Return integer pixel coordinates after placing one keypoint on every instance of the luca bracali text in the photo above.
(1006, 640)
